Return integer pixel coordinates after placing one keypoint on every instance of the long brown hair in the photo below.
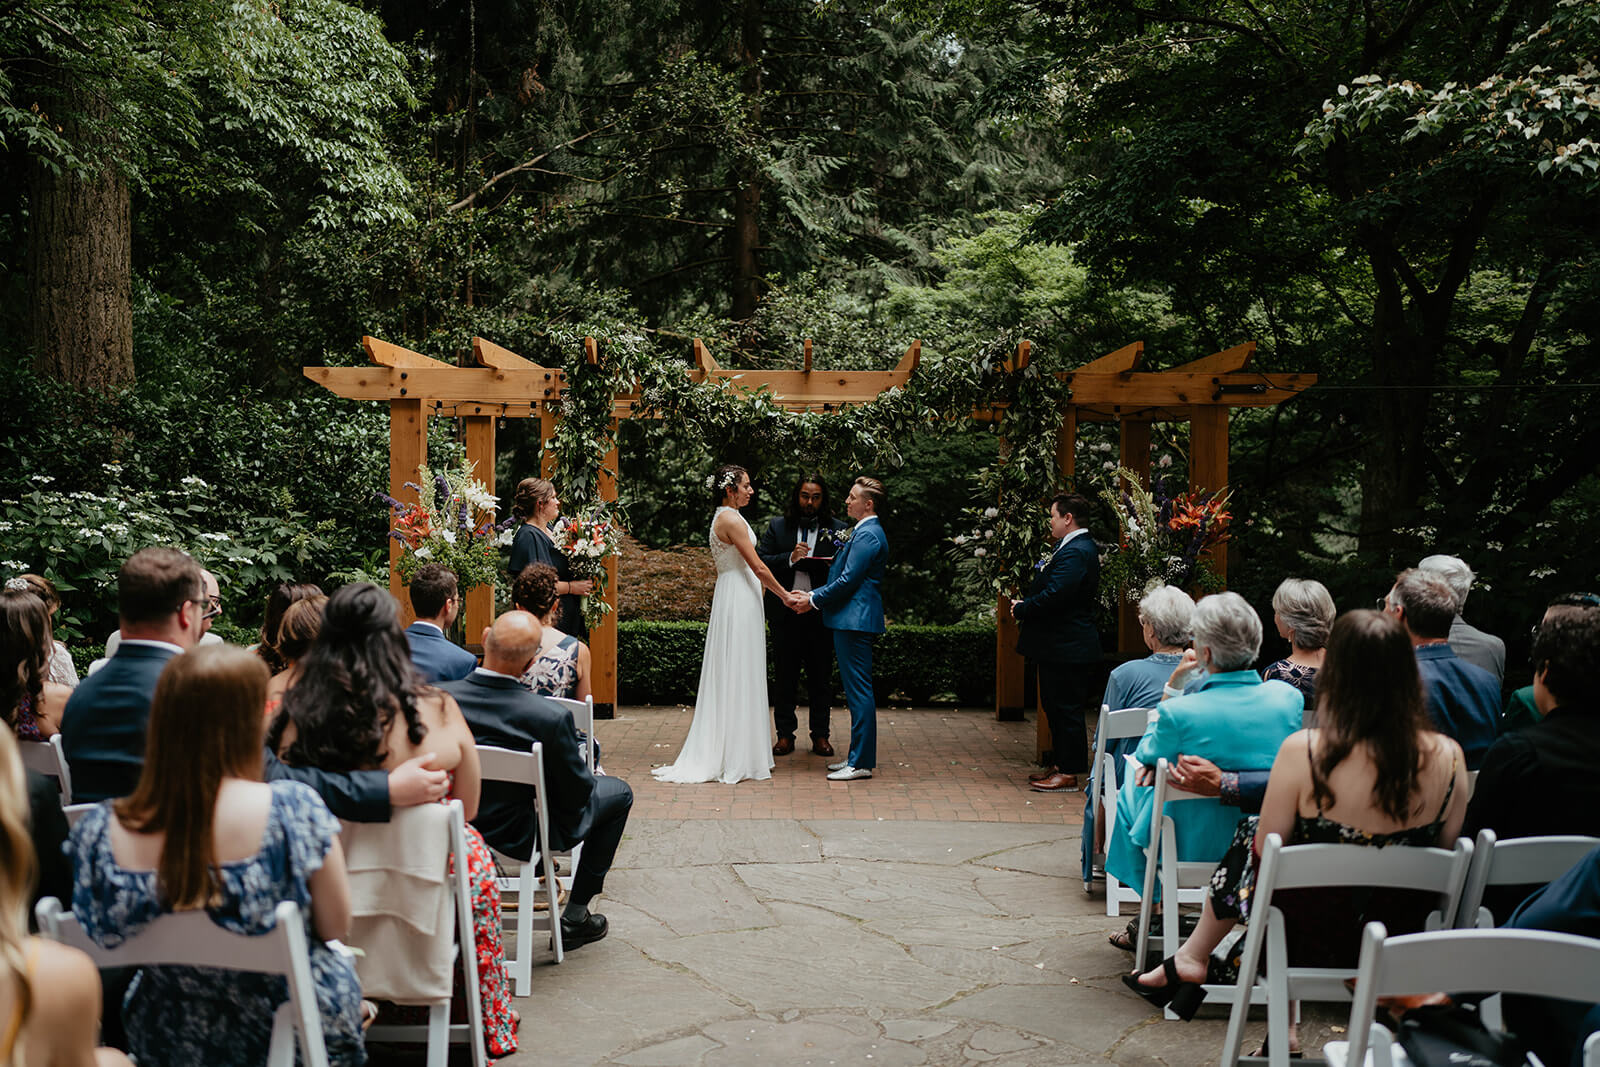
(25, 646)
(1369, 693)
(205, 725)
(17, 866)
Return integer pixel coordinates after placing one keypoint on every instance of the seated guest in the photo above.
(202, 830)
(581, 807)
(359, 705)
(278, 602)
(1521, 709)
(1164, 617)
(62, 671)
(1234, 716)
(437, 601)
(1555, 1030)
(31, 703)
(1372, 772)
(49, 993)
(1542, 780)
(1463, 700)
(1303, 612)
(161, 604)
(561, 669)
(296, 632)
(1468, 642)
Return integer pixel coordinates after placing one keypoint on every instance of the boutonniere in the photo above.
(842, 537)
(1044, 561)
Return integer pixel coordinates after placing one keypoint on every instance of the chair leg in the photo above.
(522, 966)
(281, 1051)
(1277, 991)
(439, 1032)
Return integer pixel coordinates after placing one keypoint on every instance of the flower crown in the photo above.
(17, 585)
(725, 482)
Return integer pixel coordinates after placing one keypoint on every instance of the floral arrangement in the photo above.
(997, 553)
(588, 540)
(1163, 538)
(454, 526)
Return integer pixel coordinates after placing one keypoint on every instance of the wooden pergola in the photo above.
(505, 385)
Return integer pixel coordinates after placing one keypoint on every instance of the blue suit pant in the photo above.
(853, 650)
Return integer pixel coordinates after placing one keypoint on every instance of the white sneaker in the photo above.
(841, 765)
(849, 774)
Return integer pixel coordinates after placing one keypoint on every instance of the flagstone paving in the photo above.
(873, 935)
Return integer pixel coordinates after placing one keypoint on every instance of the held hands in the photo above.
(1196, 775)
(414, 782)
(798, 601)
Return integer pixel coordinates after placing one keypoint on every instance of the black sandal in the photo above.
(1183, 997)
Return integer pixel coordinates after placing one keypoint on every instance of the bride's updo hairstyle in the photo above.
(530, 496)
(354, 680)
(722, 479)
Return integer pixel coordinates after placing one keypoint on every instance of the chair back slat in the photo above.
(1125, 722)
(1519, 861)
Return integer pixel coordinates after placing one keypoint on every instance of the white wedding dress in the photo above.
(730, 738)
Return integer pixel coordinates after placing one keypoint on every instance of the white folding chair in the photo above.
(50, 760)
(1520, 861)
(74, 812)
(1310, 866)
(439, 1032)
(527, 768)
(1529, 962)
(1114, 726)
(191, 939)
(583, 718)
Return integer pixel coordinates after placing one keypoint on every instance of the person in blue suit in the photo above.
(1234, 717)
(436, 599)
(851, 604)
(1557, 1029)
(1056, 635)
(1462, 699)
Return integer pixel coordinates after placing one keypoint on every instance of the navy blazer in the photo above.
(852, 598)
(103, 726)
(504, 714)
(1463, 700)
(437, 658)
(356, 796)
(1056, 618)
(777, 541)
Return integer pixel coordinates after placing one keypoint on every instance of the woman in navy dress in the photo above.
(537, 505)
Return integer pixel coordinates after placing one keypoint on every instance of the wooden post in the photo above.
(1208, 463)
(478, 606)
(408, 450)
(1135, 456)
(603, 639)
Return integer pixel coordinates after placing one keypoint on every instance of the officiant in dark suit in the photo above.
(804, 531)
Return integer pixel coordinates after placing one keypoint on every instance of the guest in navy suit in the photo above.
(436, 599)
(161, 602)
(1463, 700)
(1557, 1029)
(851, 604)
(1058, 636)
(804, 531)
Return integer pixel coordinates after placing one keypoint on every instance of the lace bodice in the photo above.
(726, 556)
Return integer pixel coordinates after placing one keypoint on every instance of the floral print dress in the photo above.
(202, 1014)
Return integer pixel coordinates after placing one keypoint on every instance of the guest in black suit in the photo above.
(806, 529)
(161, 602)
(1058, 636)
(537, 505)
(436, 598)
(581, 807)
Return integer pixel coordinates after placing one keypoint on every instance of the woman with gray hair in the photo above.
(1165, 614)
(1234, 718)
(1303, 612)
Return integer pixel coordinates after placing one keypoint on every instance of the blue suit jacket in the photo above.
(103, 727)
(438, 659)
(1463, 700)
(852, 600)
(1056, 618)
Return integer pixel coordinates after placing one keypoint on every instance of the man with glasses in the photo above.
(436, 598)
(161, 611)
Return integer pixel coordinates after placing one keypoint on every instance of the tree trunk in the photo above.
(80, 271)
(1391, 480)
(746, 235)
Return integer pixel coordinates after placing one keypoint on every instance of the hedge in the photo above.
(659, 663)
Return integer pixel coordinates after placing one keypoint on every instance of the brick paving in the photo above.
(947, 764)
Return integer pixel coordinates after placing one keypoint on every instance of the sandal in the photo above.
(1183, 997)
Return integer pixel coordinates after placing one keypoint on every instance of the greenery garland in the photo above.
(941, 395)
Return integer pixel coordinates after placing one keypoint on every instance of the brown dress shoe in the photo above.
(1039, 776)
(784, 746)
(820, 746)
(1056, 783)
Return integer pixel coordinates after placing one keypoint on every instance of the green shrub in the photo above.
(659, 663)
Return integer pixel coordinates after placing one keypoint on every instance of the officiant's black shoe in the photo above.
(575, 935)
(784, 746)
(820, 746)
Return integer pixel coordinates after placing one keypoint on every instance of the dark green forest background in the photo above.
(202, 196)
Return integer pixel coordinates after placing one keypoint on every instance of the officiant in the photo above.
(797, 547)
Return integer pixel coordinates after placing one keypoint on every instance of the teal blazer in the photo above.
(1234, 720)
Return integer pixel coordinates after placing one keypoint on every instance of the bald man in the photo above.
(581, 807)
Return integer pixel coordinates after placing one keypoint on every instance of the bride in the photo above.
(729, 739)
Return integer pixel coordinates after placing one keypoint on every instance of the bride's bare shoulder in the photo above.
(726, 524)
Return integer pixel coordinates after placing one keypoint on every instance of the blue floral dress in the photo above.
(554, 671)
(201, 1014)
